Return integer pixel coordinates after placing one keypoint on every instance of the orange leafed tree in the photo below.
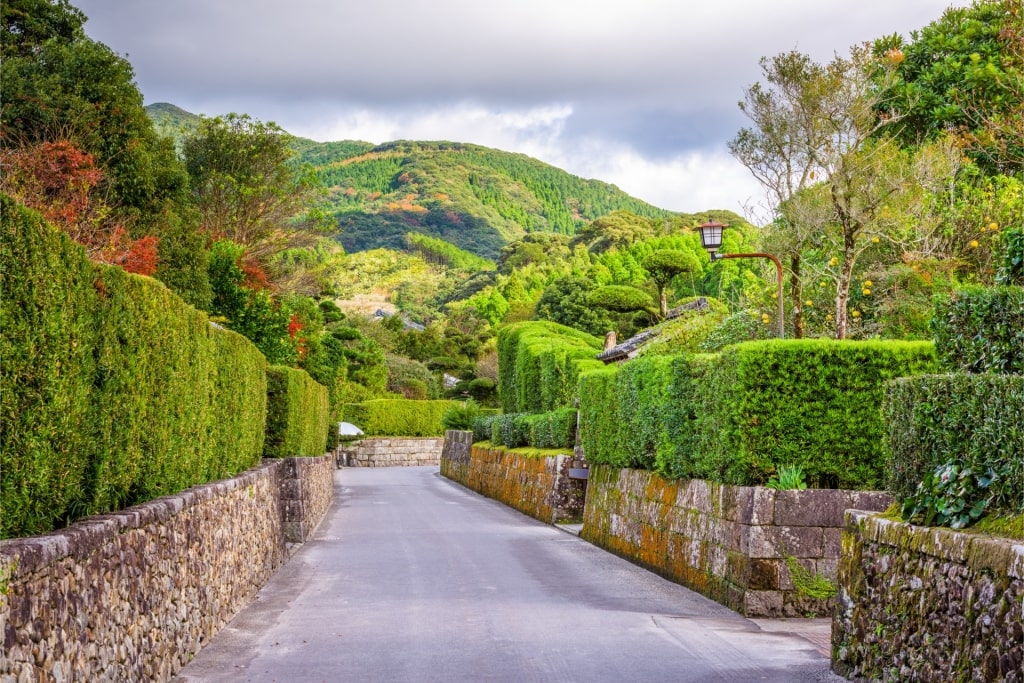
(61, 181)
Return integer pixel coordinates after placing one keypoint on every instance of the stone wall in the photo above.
(132, 595)
(307, 488)
(537, 486)
(390, 452)
(762, 552)
(928, 604)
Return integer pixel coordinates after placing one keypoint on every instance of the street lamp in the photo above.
(711, 239)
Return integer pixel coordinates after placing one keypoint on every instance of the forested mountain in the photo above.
(475, 197)
(472, 196)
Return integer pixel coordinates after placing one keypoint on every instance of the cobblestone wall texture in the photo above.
(307, 489)
(730, 543)
(537, 486)
(132, 595)
(391, 452)
(928, 604)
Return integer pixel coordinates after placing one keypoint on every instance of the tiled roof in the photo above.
(628, 348)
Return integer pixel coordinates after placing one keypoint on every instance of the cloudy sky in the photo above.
(640, 93)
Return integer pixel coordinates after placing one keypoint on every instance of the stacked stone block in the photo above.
(391, 452)
(928, 604)
(537, 486)
(133, 595)
(730, 543)
(307, 489)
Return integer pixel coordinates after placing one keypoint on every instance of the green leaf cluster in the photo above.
(541, 363)
(973, 420)
(981, 330)
(297, 414)
(399, 417)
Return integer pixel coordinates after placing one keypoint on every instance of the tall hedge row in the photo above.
(813, 403)
(297, 414)
(540, 364)
(975, 420)
(738, 416)
(114, 391)
(981, 330)
(398, 416)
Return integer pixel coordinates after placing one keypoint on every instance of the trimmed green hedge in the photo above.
(554, 429)
(297, 414)
(738, 416)
(975, 420)
(812, 403)
(114, 391)
(398, 416)
(539, 365)
(981, 330)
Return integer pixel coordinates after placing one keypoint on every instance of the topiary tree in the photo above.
(663, 265)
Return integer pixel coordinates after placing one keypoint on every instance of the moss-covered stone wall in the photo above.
(928, 604)
(760, 551)
(536, 484)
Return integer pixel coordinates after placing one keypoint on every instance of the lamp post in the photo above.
(711, 238)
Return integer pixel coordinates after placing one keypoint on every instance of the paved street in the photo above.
(413, 578)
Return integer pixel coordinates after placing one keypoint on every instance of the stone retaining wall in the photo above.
(391, 452)
(132, 595)
(928, 604)
(730, 543)
(307, 489)
(537, 486)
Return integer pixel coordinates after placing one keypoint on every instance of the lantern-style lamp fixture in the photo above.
(711, 236)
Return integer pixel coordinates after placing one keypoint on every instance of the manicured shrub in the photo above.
(47, 318)
(740, 416)
(540, 364)
(297, 414)
(482, 427)
(972, 420)
(981, 330)
(812, 403)
(555, 429)
(239, 404)
(398, 417)
(114, 391)
(511, 430)
(600, 432)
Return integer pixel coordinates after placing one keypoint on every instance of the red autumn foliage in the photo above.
(294, 327)
(60, 181)
(256, 277)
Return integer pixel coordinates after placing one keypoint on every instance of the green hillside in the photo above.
(475, 197)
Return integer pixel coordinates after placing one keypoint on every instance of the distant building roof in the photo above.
(629, 348)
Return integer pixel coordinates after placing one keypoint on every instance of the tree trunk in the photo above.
(663, 294)
(797, 292)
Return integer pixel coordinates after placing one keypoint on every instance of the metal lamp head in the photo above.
(711, 236)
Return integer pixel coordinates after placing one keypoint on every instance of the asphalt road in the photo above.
(411, 577)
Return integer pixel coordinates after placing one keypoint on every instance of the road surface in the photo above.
(411, 577)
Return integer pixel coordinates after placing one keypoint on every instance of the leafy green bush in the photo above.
(482, 427)
(398, 417)
(297, 414)
(555, 429)
(973, 420)
(1011, 268)
(461, 415)
(951, 495)
(600, 432)
(741, 416)
(733, 329)
(239, 404)
(47, 368)
(510, 430)
(540, 363)
(114, 390)
(811, 402)
(981, 330)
